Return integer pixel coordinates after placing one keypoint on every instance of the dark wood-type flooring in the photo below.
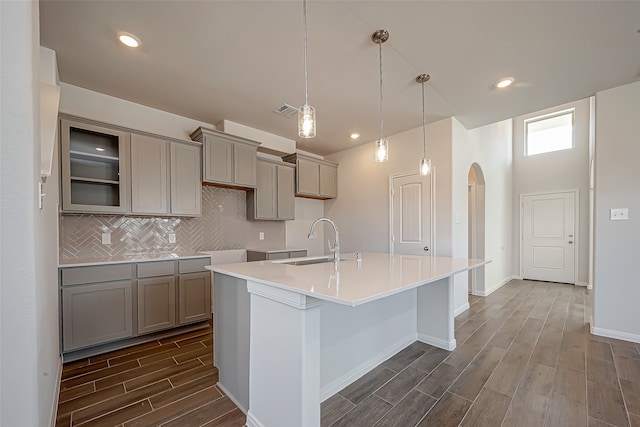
(525, 357)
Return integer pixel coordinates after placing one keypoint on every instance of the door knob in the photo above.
(426, 248)
(570, 235)
(571, 242)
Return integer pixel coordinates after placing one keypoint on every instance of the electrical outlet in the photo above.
(620, 214)
(172, 238)
(261, 235)
(106, 238)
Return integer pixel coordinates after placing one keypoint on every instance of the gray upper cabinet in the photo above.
(186, 181)
(149, 175)
(273, 198)
(94, 163)
(315, 178)
(227, 160)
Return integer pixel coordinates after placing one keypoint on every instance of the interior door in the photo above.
(549, 237)
(411, 215)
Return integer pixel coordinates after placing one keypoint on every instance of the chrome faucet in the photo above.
(336, 247)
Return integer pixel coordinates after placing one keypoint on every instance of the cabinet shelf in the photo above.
(97, 181)
(77, 155)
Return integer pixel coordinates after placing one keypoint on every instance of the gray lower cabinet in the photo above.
(194, 295)
(156, 304)
(96, 313)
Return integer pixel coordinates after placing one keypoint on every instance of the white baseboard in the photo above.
(232, 398)
(615, 334)
(494, 288)
(54, 409)
(461, 309)
(584, 284)
(354, 374)
(253, 421)
(437, 342)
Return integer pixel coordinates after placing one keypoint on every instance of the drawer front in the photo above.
(297, 254)
(278, 255)
(155, 269)
(95, 274)
(193, 265)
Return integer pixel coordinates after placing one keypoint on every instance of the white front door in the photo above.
(411, 214)
(548, 236)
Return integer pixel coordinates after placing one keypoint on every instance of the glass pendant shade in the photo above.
(382, 150)
(425, 166)
(306, 121)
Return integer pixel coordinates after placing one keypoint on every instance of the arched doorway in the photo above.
(476, 198)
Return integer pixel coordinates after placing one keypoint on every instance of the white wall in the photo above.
(616, 290)
(490, 147)
(29, 359)
(97, 106)
(556, 171)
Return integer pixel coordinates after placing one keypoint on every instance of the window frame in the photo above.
(547, 116)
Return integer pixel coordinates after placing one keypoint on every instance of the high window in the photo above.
(551, 132)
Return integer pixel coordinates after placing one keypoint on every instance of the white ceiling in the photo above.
(238, 60)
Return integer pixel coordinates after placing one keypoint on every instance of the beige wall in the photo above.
(617, 175)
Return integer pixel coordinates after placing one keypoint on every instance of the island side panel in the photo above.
(284, 383)
(231, 337)
(435, 323)
(354, 340)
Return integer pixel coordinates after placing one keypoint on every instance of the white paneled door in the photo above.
(411, 214)
(548, 236)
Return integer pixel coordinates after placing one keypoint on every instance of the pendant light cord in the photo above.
(380, 48)
(424, 129)
(306, 77)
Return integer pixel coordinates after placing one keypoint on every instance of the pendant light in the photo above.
(382, 145)
(425, 163)
(306, 113)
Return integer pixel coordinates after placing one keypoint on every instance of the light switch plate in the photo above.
(172, 238)
(619, 214)
(261, 235)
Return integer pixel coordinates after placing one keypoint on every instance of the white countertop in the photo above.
(124, 259)
(350, 282)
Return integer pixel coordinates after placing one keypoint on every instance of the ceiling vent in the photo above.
(286, 110)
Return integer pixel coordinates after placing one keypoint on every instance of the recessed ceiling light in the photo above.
(128, 39)
(355, 135)
(505, 82)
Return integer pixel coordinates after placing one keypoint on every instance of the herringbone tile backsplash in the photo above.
(223, 225)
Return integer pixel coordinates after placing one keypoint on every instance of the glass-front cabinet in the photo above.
(94, 168)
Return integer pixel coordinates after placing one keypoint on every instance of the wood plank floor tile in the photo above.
(205, 336)
(157, 375)
(631, 393)
(506, 377)
(114, 418)
(399, 386)
(125, 399)
(601, 372)
(473, 379)
(75, 392)
(333, 409)
(405, 357)
(409, 411)
(90, 399)
(625, 349)
(63, 420)
(606, 404)
(207, 359)
(449, 411)
(430, 360)
(570, 384)
(526, 411)
(177, 393)
(169, 353)
(98, 375)
(81, 370)
(627, 368)
(133, 373)
(566, 412)
(233, 418)
(440, 379)
(599, 350)
(149, 352)
(538, 379)
(366, 414)
(182, 337)
(194, 354)
(203, 414)
(366, 385)
(488, 410)
(114, 355)
(175, 409)
(635, 420)
(597, 423)
(193, 374)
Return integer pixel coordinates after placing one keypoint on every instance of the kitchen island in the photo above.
(290, 334)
